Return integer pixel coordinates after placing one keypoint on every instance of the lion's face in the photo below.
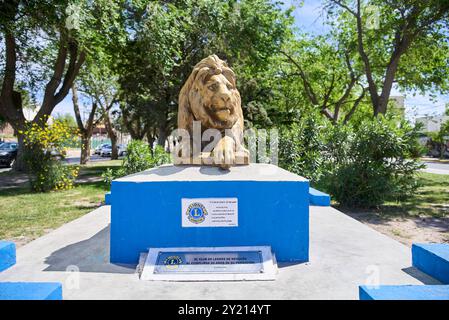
(215, 100)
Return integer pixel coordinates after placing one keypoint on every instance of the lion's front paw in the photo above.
(242, 156)
(223, 153)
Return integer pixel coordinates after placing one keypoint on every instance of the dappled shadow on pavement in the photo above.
(90, 255)
(13, 179)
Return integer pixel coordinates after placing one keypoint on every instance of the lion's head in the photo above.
(210, 96)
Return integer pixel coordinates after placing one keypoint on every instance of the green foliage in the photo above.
(401, 42)
(138, 158)
(362, 164)
(42, 143)
(168, 39)
(160, 157)
(67, 118)
(371, 163)
(325, 73)
(300, 148)
(40, 28)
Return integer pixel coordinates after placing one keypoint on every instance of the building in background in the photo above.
(432, 123)
(7, 132)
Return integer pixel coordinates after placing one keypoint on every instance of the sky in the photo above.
(309, 18)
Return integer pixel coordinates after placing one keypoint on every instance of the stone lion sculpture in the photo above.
(210, 98)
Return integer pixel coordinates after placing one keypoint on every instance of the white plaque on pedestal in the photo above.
(209, 212)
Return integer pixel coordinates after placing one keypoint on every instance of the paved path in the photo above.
(438, 168)
(93, 158)
(344, 253)
(13, 180)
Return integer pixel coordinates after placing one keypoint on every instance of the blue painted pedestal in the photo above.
(273, 210)
(433, 259)
(30, 291)
(318, 198)
(418, 292)
(7, 255)
(107, 199)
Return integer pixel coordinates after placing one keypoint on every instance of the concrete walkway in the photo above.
(344, 254)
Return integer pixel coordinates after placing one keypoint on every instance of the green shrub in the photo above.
(160, 156)
(362, 164)
(138, 158)
(372, 163)
(46, 172)
(300, 148)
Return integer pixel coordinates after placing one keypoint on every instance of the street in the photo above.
(438, 168)
(72, 158)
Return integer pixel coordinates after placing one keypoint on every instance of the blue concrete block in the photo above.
(7, 255)
(107, 198)
(146, 211)
(433, 259)
(30, 291)
(407, 292)
(319, 198)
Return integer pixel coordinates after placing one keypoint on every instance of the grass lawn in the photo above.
(432, 199)
(422, 218)
(25, 215)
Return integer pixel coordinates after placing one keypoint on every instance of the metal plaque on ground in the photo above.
(210, 264)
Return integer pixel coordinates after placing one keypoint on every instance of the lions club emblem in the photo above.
(172, 262)
(196, 213)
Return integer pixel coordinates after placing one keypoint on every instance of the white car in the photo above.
(98, 149)
(106, 151)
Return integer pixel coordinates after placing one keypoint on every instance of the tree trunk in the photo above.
(114, 152)
(161, 136)
(112, 135)
(86, 130)
(85, 148)
(19, 163)
(150, 139)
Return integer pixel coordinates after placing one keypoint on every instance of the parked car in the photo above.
(122, 150)
(98, 149)
(106, 151)
(8, 153)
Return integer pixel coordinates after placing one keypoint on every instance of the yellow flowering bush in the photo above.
(44, 146)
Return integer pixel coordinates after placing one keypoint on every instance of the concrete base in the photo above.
(30, 291)
(343, 255)
(7, 255)
(404, 293)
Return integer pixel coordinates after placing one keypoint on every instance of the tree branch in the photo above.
(307, 86)
(51, 98)
(354, 107)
